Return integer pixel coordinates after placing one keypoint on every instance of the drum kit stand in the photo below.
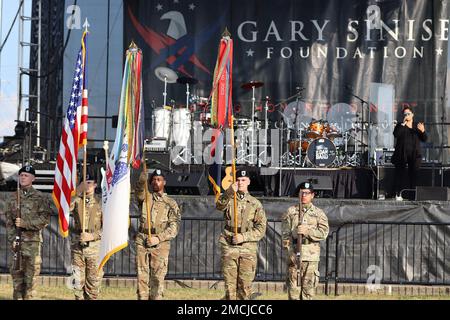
(317, 144)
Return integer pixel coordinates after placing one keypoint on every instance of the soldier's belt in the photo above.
(79, 231)
(145, 230)
(229, 240)
(231, 229)
(304, 241)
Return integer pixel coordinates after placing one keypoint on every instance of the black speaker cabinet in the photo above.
(323, 185)
(432, 193)
(158, 160)
(194, 183)
(319, 182)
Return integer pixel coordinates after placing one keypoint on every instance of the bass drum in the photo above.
(161, 123)
(321, 152)
(181, 127)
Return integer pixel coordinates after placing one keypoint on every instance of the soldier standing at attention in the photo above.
(239, 251)
(29, 219)
(85, 244)
(314, 228)
(153, 244)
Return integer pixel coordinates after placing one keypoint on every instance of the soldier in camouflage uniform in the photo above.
(239, 251)
(314, 229)
(152, 248)
(85, 245)
(35, 215)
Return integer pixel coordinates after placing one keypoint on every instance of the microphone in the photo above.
(404, 121)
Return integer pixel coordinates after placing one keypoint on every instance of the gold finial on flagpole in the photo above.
(133, 46)
(226, 33)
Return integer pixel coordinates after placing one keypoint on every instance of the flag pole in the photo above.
(84, 189)
(106, 147)
(227, 34)
(83, 220)
(147, 208)
(133, 46)
(233, 168)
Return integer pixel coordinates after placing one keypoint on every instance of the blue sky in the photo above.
(8, 71)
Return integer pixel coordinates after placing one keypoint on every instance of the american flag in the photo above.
(74, 134)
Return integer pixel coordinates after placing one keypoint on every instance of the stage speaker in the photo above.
(193, 183)
(432, 193)
(158, 160)
(323, 186)
(319, 182)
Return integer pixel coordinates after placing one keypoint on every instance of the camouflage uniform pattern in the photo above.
(35, 213)
(152, 262)
(239, 261)
(86, 277)
(317, 222)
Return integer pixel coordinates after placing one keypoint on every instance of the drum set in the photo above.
(314, 143)
(322, 145)
(173, 125)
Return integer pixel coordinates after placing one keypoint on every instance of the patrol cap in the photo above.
(91, 174)
(157, 173)
(306, 185)
(242, 173)
(27, 169)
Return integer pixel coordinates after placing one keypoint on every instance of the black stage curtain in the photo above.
(345, 183)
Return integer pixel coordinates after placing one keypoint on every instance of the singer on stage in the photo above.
(407, 150)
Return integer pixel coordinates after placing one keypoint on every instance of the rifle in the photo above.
(17, 264)
(299, 247)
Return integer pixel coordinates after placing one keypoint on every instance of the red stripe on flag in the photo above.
(84, 119)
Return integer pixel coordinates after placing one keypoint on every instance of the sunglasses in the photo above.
(407, 114)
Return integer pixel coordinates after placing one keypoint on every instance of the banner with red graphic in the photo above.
(327, 53)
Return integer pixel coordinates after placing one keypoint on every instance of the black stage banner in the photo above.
(327, 53)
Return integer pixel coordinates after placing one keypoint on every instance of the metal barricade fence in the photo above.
(376, 252)
(194, 253)
(393, 252)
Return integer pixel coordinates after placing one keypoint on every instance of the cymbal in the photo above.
(166, 74)
(187, 80)
(252, 84)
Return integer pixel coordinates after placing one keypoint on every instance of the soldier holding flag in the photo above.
(85, 244)
(30, 213)
(239, 249)
(313, 228)
(159, 223)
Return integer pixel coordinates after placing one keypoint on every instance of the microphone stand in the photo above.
(362, 122)
(299, 130)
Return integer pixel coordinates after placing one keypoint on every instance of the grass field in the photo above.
(108, 293)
